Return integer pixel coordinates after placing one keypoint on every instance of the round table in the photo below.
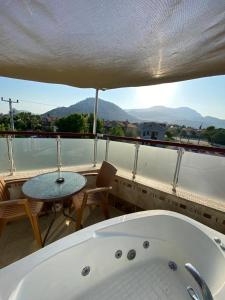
(47, 188)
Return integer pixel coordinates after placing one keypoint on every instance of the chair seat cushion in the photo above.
(17, 210)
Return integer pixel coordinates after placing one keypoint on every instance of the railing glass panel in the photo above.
(77, 152)
(34, 153)
(157, 163)
(101, 151)
(4, 159)
(203, 174)
(122, 155)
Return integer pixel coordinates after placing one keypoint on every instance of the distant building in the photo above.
(48, 123)
(130, 129)
(152, 130)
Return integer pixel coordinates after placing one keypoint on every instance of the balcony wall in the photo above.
(200, 183)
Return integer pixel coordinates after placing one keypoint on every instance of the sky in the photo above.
(205, 95)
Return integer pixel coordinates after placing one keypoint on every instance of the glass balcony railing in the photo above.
(174, 164)
(34, 153)
(157, 163)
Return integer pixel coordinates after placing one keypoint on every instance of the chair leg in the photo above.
(36, 230)
(70, 207)
(105, 208)
(2, 225)
(79, 214)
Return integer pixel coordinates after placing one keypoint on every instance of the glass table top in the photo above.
(45, 187)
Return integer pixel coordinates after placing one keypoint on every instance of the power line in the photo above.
(10, 111)
(39, 103)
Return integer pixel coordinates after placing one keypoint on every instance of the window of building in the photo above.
(154, 135)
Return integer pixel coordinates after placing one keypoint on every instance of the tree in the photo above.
(72, 123)
(210, 128)
(183, 134)
(99, 127)
(208, 133)
(27, 121)
(117, 130)
(4, 121)
(2, 127)
(169, 135)
(193, 134)
(219, 136)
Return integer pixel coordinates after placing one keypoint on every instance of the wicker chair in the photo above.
(97, 196)
(11, 210)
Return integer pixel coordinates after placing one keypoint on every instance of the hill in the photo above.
(106, 110)
(111, 112)
(181, 116)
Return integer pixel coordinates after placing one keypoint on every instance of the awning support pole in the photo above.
(95, 128)
(95, 112)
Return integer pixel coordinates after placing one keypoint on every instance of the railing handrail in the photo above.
(47, 134)
(192, 147)
(166, 143)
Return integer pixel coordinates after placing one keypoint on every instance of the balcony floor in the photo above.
(17, 239)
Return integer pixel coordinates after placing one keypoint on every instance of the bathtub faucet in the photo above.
(206, 293)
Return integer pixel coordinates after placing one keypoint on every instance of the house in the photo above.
(152, 130)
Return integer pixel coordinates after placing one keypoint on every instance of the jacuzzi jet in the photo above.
(85, 271)
(131, 254)
(146, 244)
(118, 253)
(172, 265)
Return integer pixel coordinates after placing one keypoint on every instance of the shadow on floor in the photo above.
(17, 239)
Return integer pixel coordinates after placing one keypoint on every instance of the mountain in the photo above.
(181, 116)
(109, 111)
(106, 110)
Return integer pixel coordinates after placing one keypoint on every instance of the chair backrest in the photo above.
(3, 190)
(105, 175)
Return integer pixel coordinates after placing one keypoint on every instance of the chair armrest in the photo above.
(15, 182)
(89, 174)
(98, 190)
(13, 202)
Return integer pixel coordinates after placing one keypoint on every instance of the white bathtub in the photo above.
(55, 272)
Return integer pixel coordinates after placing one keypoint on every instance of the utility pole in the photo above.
(10, 111)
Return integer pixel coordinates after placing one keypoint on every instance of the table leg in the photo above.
(50, 225)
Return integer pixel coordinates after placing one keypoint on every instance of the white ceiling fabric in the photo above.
(111, 43)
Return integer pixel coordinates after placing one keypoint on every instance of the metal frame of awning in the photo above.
(95, 112)
(95, 127)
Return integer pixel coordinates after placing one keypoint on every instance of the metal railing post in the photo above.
(59, 161)
(107, 149)
(95, 150)
(134, 172)
(180, 153)
(10, 154)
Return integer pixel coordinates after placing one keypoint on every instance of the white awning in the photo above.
(112, 43)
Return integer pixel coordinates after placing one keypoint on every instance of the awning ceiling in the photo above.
(112, 43)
